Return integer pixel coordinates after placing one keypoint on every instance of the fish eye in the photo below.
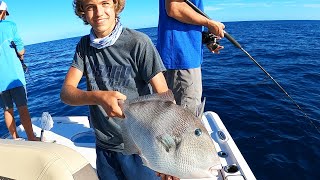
(198, 132)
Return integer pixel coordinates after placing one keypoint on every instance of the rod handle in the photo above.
(227, 35)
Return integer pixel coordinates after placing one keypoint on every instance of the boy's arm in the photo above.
(72, 95)
(158, 83)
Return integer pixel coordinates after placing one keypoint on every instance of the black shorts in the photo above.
(17, 95)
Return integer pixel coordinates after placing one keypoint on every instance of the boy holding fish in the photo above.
(119, 64)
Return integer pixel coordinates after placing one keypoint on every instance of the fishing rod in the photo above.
(235, 43)
(24, 66)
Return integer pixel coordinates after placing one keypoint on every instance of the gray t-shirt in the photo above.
(127, 66)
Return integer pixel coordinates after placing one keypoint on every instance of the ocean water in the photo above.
(274, 136)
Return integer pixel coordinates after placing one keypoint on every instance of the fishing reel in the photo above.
(211, 40)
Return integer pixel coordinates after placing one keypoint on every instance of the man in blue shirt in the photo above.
(12, 79)
(180, 47)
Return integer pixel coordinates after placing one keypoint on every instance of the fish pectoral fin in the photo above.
(167, 141)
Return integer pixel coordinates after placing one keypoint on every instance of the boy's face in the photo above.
(101, 15)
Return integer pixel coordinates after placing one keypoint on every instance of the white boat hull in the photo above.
(75, 133)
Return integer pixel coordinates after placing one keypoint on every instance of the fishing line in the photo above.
(28, 72)
(235, 43)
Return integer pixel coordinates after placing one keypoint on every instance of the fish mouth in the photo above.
(205, 172)
(213, 170)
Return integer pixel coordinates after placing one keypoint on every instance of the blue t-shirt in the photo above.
(11, 72)
(179, 44)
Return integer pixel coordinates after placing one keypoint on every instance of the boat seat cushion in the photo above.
(39, 160)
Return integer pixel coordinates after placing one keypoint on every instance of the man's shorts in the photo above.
(17, 95)
(186, 85)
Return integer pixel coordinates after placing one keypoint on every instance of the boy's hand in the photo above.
(166, 177)
(109, 100)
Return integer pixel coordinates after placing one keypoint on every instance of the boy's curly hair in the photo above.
(78, 8)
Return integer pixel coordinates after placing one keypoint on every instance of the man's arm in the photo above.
(21, 54)
(182, 12)
(70, 94)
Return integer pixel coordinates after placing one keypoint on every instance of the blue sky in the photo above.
(46, 20)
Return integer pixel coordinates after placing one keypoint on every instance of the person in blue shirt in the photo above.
(12, 79)
(180, 47)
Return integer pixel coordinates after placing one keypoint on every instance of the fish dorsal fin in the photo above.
(200, 109)
(168, 141)
(165, 96)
